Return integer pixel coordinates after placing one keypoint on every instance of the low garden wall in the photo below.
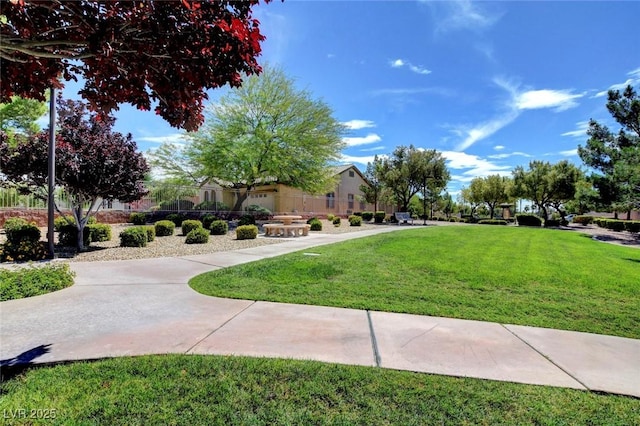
(40, 216)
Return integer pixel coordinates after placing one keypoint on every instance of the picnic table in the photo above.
(287, 228)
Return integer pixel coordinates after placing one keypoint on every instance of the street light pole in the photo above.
(51, 171)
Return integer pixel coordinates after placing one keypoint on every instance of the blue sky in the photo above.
(491, 85)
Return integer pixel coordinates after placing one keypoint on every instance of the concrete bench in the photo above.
(403, 217)
(282, 230)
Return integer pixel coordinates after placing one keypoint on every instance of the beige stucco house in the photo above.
(344, 200)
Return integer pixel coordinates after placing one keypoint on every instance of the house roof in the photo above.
(343, 168)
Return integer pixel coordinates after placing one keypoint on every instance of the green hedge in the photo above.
(164, 228)
(190, 225)
(247, 232)
(355, 220)
(367, 216)
(316, 224)
(492, 222)
(138, 218)
(197, 236)
(34, 281)
(219, 227)
(529, 220)
(583, 220)
(136, 236)
(379, 216)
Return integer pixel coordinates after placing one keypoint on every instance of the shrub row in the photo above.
(583, 220)
(33, 281)
(528, 220)
(618, 225)
(492, 222)
(93, 233)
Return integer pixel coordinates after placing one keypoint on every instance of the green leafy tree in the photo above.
(431, 176)
(373, 192)
(266, 131)
(615, 158)
(490, 190)
(21, 115)
(473, 195)
(546, 185)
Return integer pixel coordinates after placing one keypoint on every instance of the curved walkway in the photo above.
(124, 308)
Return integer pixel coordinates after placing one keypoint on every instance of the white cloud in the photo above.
(580, 131)
(358, 124)
(476, 166)
(357, 159)
(483, 130)
(355, 141)
(507, 155)
(399, 63)
(461, 15)
(518, 102)
(375, 148)
(632, 81)
(569, 153)
(498, 147)
(172, 138)
(536, 99)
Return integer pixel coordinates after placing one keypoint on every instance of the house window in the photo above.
(206, 196)
(350, 201)
(351, 173)
(331, 200)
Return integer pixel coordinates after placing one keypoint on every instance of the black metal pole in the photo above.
(51, 171)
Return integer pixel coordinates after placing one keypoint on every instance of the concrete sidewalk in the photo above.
(140, 307)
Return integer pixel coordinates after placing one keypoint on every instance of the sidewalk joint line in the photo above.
(374, 342)
(547, 358)
(221, 325)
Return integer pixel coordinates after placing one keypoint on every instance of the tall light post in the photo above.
(51, 172)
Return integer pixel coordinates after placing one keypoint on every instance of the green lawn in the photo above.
(537, 277)
(212, 390)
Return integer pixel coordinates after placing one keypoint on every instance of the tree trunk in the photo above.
(77, 215)
(240, 198)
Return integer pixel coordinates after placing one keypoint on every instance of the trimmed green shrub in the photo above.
(138, 218)
(197, 236)
(261, 212)
(218, 206)
(151, 232)
(336, 221)
(247, 219)
(330, 217)
(14, 222)
(355, 220)
(23, 251)
(583, 220)
(176, 218)
(367, 216)
(98, 232)
(615, 225)
(219, 227)
(60, 221)
(632, 226)
(492, 222)
(19, 230)
(551, 223)
(136, 236)
(357, 214)
(247, 232)
(68, 235)
(207, 220)
(529, 220)
(164, 228)
(34, 281)
(316, 225)
(189, 225)
(379, 216)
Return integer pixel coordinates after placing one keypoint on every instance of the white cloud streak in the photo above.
(474, 165)
(356, 141)
(399, 63)
(358, 124)
(461, 15)
(172, 138)
(580, 131)
(633, 80)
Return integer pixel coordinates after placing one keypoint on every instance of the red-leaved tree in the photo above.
(129, 51)
(93, 162)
